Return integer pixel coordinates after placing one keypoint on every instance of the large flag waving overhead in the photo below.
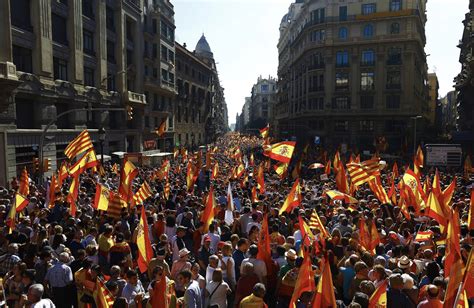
(78, 145)
(282, 151)
(145, 251)
(363, 172)
(129, 172)
(142, 194)
(293, 199)
(87, 161)
(24, 188)
(261, 179)
(264, 132)
(208, 214)
(337, 195)
(304, 282)
(379, 297)
(102, 197)
(453, 263)
(341, 178)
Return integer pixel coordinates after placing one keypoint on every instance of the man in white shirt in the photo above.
(34, 298)
(259, 266)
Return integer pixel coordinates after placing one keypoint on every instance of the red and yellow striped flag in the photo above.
(363, 172)
(24, 188)
(63, 173)
(341, 179)
(215, 171)
(453, 264)
(102, 296)
(316, 224)
(78, 145)
(293, 199)
(145, 251)
(379, 297)
(116, 204)
(143, 193)
(282, 151)
(379, 191)
(167, 190)
(324, 296)
(208, 213)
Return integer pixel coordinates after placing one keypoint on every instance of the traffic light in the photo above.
(129, 113)
(46, 165)
(36, 164)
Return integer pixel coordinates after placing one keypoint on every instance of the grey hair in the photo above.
(259, 290)
(64, 257)
(36, 290)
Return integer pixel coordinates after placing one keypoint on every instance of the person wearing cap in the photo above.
(159, 260)
(290, 257)
(179, 265)
(204, 252)
(215, 238)
(259, 266)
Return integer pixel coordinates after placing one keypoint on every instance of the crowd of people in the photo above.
(53, 259)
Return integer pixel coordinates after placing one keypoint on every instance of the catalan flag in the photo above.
(264, 132)
(379, 191)
(116, 204)
(379, 297)
(166, 190)
(80, 144)
(316, 224)
(162, 128)
(143, 193)
(24, 188)
(324, 296)
(102, 197)
(341, 179)
(87, 161)
(102, 296)
(337, 195)
(293, 199)
(282, 151)
(363, 172)
(208, 214)
(145, 251)
(127, 175)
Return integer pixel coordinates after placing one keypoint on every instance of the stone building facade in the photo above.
(352, 71)
(262, 102)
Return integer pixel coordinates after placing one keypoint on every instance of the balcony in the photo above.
(135, 98)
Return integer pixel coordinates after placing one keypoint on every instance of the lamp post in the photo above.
(414, 132)
(102, 136)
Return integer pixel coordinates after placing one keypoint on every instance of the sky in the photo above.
(243, 35)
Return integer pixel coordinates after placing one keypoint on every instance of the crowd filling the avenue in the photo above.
(244, 222)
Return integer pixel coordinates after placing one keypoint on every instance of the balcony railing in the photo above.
(137, 98)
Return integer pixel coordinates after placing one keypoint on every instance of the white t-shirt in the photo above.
(44, 303)
(225, 260)
(220, 295)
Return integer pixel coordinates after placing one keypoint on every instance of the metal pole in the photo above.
(45, 130)
(414, 138)
(102, 153)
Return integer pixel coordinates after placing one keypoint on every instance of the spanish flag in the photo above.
(252, 160)
(145, 251)
(62, 174)
(470, 220)
(336, 162)
(341, 178)
(254, 195)
(379, 297)
(281, 169)
(369, 239)
(264, 250)
(304, 282)
(327, 168)
(10, 221)
(191, 176)
(160, 294)
(448, 193)
(337, 195)
(436, 211)
(419, 161)
(240, 170)
(422, 236)
(102, 197)
(215, 171)
(261, 179)
(293, 199)
(453, 264)
(87, 161)
(264, 132)
(395, 173)
(24, 188)
(20, 202)
(324, 296)
(282, 151)
(73, 192)
(127, 175)
(468, 281)
(166, 190)
(161, 130)
(208, 214)
(297, 170)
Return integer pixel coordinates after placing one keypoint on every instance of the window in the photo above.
(366, 102)
(110, 52)
(23, 59)
(164, 75)
(89, 77)
(88, 38)
(316, 103)
(109, 18)
(343, 33)
(369, 8)
(368, 31)
(167, 31)
(170, 56)
(20, 14)
(164, 53)
(155, 26)
(393, 101)
(264, 88)
(341, 103)
(367, 82)
(395, 28)
(318, 16)
(316, 61)
(171, 78)
(395, 5)
(111, 86)
(342, 80)
(318, 36)
(366, 126)
(395, 126)
(342, 59)
(342, 13)
(368, 57)
(59, 27)
(155, 51)
(60, 69)
(393, 80)
(87, 8)
(394, 56)
(341, 126)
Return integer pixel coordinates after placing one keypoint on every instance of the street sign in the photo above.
(317, 140)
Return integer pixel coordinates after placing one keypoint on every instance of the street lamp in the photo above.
(414, 132)
(102, 136)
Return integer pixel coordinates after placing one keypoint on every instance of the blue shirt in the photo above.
(347, 273)
(192, 296)
(59, 276)
(238, 256)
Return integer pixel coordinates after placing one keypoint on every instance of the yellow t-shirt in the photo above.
(105, 243)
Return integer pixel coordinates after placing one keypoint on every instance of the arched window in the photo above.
(368, 31)
(343, 33)
(395, 28)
